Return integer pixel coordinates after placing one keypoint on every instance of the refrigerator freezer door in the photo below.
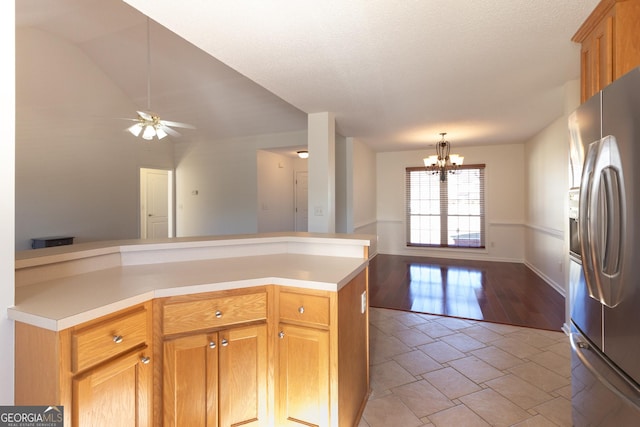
(585, 126)
(621, 119)
(600, 394)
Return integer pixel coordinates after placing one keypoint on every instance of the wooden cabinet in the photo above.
(261, 356)
(318, 384)
(100, 371)
(303, 396)
(190, 374)
(215, 377)
(304, 370)
(198, 312)
(116, 393)
(610, 44)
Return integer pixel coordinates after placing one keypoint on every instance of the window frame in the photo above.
(444, 207)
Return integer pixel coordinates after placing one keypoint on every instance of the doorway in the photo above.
(156, 203)
(301, 201)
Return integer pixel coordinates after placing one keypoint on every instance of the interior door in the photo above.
(301, 201)
(155, 203)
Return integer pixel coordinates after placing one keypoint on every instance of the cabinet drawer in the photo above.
(213, 312)
(102, 341)
(311, 309)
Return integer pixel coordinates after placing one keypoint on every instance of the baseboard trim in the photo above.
(547, 279)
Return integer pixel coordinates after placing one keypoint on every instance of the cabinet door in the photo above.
(598, 58)
(243, 376)
(115, 394)
(190, 381)
(303, 377)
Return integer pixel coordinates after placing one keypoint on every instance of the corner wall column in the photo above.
(322, 172)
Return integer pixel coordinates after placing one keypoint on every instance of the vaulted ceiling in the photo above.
(395, 73)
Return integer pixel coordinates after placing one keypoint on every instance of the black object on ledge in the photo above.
(48, 242)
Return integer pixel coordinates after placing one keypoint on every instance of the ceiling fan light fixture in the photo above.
(149, 124)
(160, 133)
(149, 132)
(136, 129)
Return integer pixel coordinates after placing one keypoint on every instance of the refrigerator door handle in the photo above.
(601, 221)
(607, 374)
(584, 222)
(606, 221)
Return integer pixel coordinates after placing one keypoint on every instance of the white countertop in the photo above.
(292, 242)
(63, 302)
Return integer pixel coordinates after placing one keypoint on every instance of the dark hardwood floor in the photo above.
(498, 292)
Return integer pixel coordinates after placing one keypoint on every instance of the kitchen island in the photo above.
(268, 329)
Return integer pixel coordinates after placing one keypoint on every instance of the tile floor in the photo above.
(429, 370)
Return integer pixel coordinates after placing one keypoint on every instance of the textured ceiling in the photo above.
(395, 73)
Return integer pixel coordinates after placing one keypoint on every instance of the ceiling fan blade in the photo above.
(177, 124)
(169, 131)
(145, 115)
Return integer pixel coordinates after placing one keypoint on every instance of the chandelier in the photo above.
(443, 162)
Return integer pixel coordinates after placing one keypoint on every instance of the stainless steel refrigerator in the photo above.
(605, 256)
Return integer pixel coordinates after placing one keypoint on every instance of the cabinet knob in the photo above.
(281, 334)
(145, 359)
(225, 342)
(117, 339)
(212, 344)
(218, 314)
(301, 309)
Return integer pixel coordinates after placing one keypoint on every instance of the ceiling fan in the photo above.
(148, 124)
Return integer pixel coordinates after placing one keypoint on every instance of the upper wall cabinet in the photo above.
(610, 44)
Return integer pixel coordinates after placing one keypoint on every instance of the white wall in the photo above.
(224, 175)
(364, 188)
(504, 192)
(7, 204)
(363, 192)
(321, 141)
(77, 170)
(547, 184)
(344, 184)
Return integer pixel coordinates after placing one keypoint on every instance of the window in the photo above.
(445, 213)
